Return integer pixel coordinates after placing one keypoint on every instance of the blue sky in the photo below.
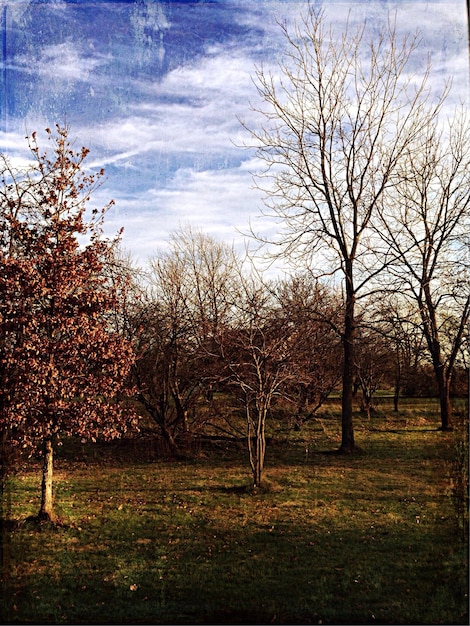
(155, 89)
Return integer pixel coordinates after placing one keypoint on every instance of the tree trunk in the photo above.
(157, 413)
(366, 403)
(443, 376)
(46, 512)
(396, 397)
(170, 440)
(396, 391)
(181, 410)
(347, 430)
(443, 382)
(256, 443)
(260, 448)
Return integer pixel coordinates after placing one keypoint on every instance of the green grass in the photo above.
(377, 537)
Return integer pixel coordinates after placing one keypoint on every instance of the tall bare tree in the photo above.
(340, 116)
(427, 229)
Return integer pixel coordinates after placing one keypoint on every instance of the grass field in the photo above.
(377, 537)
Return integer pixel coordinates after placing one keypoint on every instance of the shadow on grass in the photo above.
(280, 573)
(405, 431)
(359, 539)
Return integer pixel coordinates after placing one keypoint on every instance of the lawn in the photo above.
(377, 537)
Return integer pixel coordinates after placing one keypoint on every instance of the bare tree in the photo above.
(211, 272)
(396, 319)
(313, 313)
(374, 363)
(186, 303)
(339, 118)
(256, 351)
(427, 230)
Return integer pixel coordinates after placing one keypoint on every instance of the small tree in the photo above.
(64, 364)
(255, 348)
(374, 364)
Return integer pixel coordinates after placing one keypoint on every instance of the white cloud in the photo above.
(219, 202)
(220, 71)
(193, 111)
(66, 61)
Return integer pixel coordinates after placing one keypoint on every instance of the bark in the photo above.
(46, 512)
(396, 391)
(181, 414)
(347, 430)
(170, 440)
(396, 398)
(260, 450)
(366, 404)
(256, 446)
(443, 374)
(443, 383)
(181, 409)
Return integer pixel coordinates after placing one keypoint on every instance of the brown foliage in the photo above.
(63, 365)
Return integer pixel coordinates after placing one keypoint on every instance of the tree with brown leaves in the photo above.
(63, 365)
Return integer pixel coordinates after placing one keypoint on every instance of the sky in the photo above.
(156, 90)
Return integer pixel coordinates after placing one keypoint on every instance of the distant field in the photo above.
(378, 537)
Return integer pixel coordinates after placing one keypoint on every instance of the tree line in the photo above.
(370, 186)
